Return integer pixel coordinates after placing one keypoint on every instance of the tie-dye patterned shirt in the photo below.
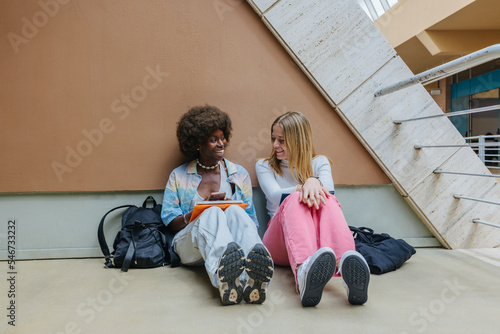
(183, 184)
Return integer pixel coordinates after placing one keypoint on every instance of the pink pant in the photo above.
(297, 231)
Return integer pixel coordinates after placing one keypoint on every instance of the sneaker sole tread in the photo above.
(259, 267)
(231, 265)
(319, 274)
(356, 276)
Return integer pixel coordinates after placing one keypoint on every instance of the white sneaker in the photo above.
(356, 275)
(313, 274)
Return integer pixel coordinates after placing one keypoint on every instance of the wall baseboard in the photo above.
(64, 225)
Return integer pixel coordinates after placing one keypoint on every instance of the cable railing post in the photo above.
(444, 71)
(450, 114)
(419, 147)
(479, 221)
(439, 171)
(475, 199)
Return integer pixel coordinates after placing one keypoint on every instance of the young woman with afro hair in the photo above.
(226, 242)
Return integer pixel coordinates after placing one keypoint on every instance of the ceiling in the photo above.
(432, 36)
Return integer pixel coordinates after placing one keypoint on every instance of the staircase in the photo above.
(346, 57)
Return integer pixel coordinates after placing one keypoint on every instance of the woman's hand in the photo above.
(180, 222)
(312, 193)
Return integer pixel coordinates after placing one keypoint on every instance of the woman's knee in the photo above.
(292, 209)
(333, 201)
(213, 210)
(235, 210)
(237, 216)
(211, 218)
(333, 197)
(293, 197)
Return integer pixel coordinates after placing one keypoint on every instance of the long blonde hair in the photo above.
(299, 142)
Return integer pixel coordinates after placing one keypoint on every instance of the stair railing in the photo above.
(438, 73)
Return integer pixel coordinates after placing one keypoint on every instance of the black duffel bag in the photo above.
(382, 252)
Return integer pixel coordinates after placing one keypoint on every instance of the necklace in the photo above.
(205, 167)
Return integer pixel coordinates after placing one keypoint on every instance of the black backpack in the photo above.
(142, 241)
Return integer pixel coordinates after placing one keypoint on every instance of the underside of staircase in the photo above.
(346, 57)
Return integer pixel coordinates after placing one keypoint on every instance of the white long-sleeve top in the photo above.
(274, 185)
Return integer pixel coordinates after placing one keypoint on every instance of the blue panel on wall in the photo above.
(476, 85)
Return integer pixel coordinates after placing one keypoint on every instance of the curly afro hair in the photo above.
(197, 124)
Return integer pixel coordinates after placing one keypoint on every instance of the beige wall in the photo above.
(440, 92)
(91, 92)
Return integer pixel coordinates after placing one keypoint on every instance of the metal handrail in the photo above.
(438, 171)
(476, 199)
(492, 167)
(450, 114)
(482, 136)
(481, 147)
(445, 70)
(418, 147)
(484, 154)
(440, 72)
(479, 221)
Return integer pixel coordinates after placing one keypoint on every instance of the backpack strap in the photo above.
(135, 231)
(102, 239)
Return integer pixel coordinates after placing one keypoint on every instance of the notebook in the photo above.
(202, 206)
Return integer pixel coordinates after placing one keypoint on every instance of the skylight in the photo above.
(376, 8)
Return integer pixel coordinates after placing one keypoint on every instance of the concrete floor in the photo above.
(436, 291)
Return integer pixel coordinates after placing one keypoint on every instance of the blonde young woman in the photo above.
(307, 230)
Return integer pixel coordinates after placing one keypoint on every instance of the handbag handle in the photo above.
(367, 230)
(364, 234)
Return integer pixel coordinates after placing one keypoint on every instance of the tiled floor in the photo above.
(436, 291)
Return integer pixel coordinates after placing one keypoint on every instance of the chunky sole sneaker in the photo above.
(231, 266)
(260, 268)
(356, 275)
(314, 274)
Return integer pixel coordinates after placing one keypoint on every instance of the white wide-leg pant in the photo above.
(205, 239)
